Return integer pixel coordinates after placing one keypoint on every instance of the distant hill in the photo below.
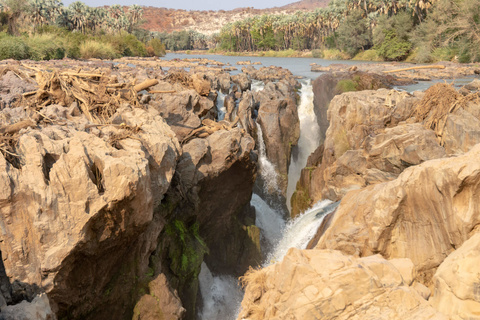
(306, 5)
(210, 22)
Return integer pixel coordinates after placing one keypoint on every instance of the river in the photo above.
(221, 295)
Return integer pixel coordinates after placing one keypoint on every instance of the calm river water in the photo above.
(302, 67)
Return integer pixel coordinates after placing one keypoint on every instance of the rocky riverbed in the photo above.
(119, 179)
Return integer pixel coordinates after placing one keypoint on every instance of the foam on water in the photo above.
(299, 231)
(221, 296)
(257, 85)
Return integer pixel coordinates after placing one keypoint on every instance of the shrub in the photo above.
(317, 53)
(393, 48)
(368, 55)
(444, 54)
(126, 44)
(346, 85)
(335, 54)
(353, 34)
(45, 47)
(13, 48)
(94, 49)
(157, 46)
(391, 37)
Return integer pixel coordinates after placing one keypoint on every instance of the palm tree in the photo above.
(78, 15)
(135, 13)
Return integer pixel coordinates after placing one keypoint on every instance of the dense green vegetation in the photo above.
(183, 40)
(391, 30)
(45, 29)
(422, 30)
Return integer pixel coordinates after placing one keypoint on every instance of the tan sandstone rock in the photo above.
(278, 119)
(457, 282)
(79, 209)
(161, 303)
(424, 214)
(325, 284)
(367, 142)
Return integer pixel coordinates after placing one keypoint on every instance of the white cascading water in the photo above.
(257, 85)
(299, 231)
(221, 295)
(267, 169)
(269, 221)
(221, 110)
(309, 137)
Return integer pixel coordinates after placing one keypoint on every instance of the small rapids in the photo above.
(257, 85)
(267, 169)
(221, 106)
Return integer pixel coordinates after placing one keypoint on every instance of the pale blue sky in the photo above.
(191, 4)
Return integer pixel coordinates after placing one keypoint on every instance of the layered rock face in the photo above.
(110, 204)
(279, 122)
(406, 171)
(351, 119)
(433, 198)
(326, 284)
(456, 292)
(75, 207)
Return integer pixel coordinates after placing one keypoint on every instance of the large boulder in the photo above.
(78, 211)
(242, 81)
(325, 284)
(423, 215)
(328, 85)
(381, 157)
(245, 112)
(38, 309)
(160, 303)
(456, 282)
(363, 146)
(178, 111)
(280, 126)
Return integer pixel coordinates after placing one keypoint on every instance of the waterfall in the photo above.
(221, 296)
(308, 141)
(267, 169)
(270, 222)
(221, 105)
(299, 231)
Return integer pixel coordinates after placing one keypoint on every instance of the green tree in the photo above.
(354, 33)
(452, 27)
(13, 10)
(391, 36)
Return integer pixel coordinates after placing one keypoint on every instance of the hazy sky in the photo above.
(191, 4)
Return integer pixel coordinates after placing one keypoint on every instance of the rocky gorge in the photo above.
(123, 183)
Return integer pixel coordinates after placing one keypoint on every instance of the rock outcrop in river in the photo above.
(402, 243)
(110, 197)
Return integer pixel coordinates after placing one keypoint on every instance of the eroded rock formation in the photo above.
(326, 284)
(107, 205)
(406, 171)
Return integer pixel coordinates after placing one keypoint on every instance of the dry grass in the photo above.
(255, 283)
(439, 101)
(94, 49)
(98, 95)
